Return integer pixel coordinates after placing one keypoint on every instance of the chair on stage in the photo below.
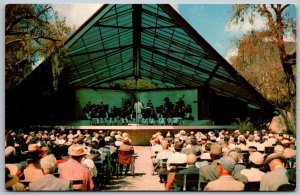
(176, 121)
(145, 121)
(151, 121)
(162, 121)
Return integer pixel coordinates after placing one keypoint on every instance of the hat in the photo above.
(286, 136)
(107, 138)
(256, 158)
(275, 156)
(52, 137)
(216, 149)
(293, 140)
(192, 133)
(257, 138)
(237, 131)
(289, 152)
(9, 150)
(242, 138)
(197, 151)
(279, 149)
(191, 159)
(285, 141)
(270, 135)
(252, 148)
(13, 169)
(126, 140)
(225, 150)
(168, 134)
(182, 132)
(61, 142)
(213, 138)
(221, 135)
(113, 133)
(227, 163)
(234, 155)
(33, 148)
(265, 137)
(211, 133)
(118, 137)
(77, 150)
(178, 145)
(203, 136)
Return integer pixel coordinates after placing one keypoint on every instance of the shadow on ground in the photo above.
(117, 183)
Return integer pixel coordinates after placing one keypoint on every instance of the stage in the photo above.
(141, 135)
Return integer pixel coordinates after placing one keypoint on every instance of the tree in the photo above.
(32, 33)
(140, 84)
(258, 61)
(279, 23)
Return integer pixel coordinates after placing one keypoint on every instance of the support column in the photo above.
(204, 103)
(137, 30)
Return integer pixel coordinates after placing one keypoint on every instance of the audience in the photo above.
(37, 158)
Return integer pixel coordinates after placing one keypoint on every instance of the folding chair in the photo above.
(187, 182)
(75, 185)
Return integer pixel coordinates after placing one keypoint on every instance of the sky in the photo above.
(209, 20)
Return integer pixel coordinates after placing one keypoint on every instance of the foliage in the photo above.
(32, 33)
(139, 84)
(258, 61)
(279, 24)
(243, 125)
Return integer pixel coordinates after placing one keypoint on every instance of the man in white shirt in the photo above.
(138, 107)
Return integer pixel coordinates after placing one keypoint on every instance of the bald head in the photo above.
(276, 163)
(191, 159)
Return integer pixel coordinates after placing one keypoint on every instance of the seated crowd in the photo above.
(224, 161)
(61, 161)
(167, 113)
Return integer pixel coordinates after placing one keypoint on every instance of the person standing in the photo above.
(138, 107)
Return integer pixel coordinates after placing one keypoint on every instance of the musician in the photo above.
(180, 103)
(149, 104)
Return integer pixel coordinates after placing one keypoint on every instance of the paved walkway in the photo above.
(143, 180)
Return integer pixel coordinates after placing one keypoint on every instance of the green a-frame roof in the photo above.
(151, 42)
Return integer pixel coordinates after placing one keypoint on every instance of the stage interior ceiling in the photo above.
(151, 42)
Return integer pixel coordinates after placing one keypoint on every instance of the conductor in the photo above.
(138, 107)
